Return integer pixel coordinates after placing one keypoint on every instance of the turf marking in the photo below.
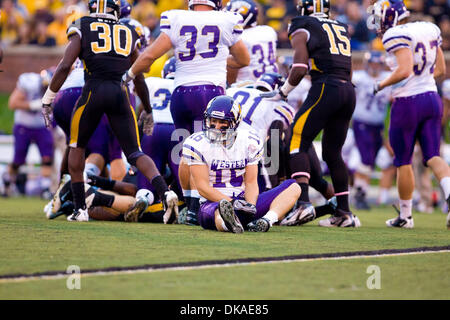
(53, 275)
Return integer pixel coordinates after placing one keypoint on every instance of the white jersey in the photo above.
(423, 39)
(74, 80)
(201, 41)
(226, 165)
(259, 113)
(261, 42)
(31, 85)
(446, 89)
(160, 91)
(370, 109)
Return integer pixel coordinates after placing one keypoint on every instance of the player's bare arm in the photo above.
(200, 174)
(18, 100)
(405, 63)
(240, 57)
(141, 87)
(65, 65)
(145, 60)
(440, 68)
(251, 183)
(300, 59)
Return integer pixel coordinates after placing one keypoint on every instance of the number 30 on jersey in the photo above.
(109, 42)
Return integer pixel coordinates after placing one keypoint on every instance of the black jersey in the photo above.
(328, 46)
(106, 46)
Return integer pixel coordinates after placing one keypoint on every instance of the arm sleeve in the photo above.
(75, 27)
(191, 152)
(396, 38)
(234, 29)
(166, 23)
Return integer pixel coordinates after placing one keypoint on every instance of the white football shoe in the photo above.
(398, 222)
(81, 215)
(342, 221)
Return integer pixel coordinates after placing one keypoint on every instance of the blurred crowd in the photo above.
(44, 22)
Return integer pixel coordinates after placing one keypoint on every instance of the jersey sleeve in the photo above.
(74, 28)
(438, 34)
(233, 29)
(192, 153)
(396, 38)
(167, 23)
(285, 113)
(255, 148)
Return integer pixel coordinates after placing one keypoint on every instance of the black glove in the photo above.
(244, 206)
(376, 87)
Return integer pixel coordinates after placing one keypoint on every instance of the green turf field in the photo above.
(6, 115)
(32, 244)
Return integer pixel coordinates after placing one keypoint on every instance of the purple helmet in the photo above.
(216, 4)
(125, 9)
(168, 72)
(223, 108)
(386, 14)
(246, 8)
(269, 81)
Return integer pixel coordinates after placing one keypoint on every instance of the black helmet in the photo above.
(315, 8)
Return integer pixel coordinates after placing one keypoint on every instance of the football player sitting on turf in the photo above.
(223, 160)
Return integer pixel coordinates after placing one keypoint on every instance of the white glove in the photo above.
(47, 112)
(146, 120)
(244, 206)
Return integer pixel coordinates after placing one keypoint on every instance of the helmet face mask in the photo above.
(386, 14)
(314, 8)
(246, 8)
(222, 109)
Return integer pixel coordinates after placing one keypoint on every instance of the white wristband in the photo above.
(131, 74)
(48, 97)
(35, 105)
(287, 87)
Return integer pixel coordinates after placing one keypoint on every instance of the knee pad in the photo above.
(132, 158)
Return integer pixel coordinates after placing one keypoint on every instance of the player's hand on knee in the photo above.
(47, 112)
(146, 120)
(244, 206)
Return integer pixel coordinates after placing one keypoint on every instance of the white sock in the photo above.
(384, 194)
(445, 184)
(405, 208)
(272, 216)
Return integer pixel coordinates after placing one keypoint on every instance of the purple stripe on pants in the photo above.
(188, 103)
(369, 139)
(206, 214)
(24, 136)
(415, 118)
(63, 105)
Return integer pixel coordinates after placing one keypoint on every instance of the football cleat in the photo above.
(63, 188)
(81, 215)
(170, 207)
(231, 221)
(304, 213)
(345, 220)
(398, 222)
(260, 225)
(133, 214)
